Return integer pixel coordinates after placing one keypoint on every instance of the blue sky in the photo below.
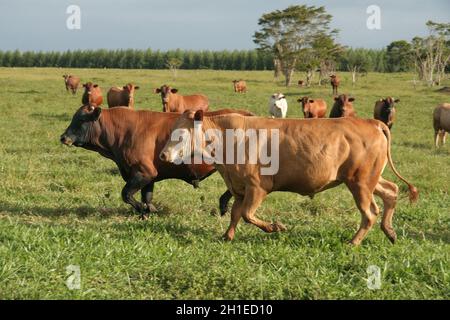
(196, 24)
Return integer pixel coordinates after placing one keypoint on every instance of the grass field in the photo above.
(61, 206)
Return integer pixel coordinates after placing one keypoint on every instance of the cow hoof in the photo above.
(223, 210)
(276, 227)
(143, 216)
(196, 183)
(152, 209)
(226, 237)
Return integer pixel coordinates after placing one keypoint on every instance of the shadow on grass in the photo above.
(29, 92)
(429, 236)
(415, 145)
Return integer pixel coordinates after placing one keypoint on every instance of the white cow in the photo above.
(278, 105)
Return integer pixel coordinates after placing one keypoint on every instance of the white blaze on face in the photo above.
(278, 105)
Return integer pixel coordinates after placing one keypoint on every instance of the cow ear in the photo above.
(136, 87)
(157, 90)
(311, 101)
(198, 115)
(397, 100)
(351, 99)
(84, 85)
(95, 85)
(336, 98)
(299, 100)
(174, 90)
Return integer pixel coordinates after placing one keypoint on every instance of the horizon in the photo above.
(197, 25)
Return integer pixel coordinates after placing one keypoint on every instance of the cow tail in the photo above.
(413, 192)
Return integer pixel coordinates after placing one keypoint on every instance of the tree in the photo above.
(356, 61)
(399, 56)
(287, 33)
(173, 64)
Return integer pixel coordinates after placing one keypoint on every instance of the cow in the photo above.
(278, 105)
(301, 83)
(316, 108)
(384, 111)
(173, 102)
(441, 123)
(313, 156)
(121, 97)
(240, 86)
(133, 140)
(335, 81)
(343, 107)
(92, 95)
(71, 82)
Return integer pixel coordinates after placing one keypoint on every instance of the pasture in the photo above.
(61, 206)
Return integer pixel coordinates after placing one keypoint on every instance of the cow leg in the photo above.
(128, 192)
(444, 136)
(147, 197)
(236, 214)
(388, 192)
(436, 138)
(223, 202)
(252, 199)
(365, 203)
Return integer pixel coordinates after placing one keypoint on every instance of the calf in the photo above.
(312, 156)
(384, 111)
(133, 140)
(335, 81)
(316, 108)
(92, 95)
(301, 83)
(71, 82)
(441, 123)
(343, 107)
(240, 86)
(278, 105)
(173, 102)
(121, 97)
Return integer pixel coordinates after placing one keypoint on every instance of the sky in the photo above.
(196, 24)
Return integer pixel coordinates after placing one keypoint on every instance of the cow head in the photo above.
(305, 101)
(278, 100)
(88, 86)
(344, 103)
(165, 91)
(78, 132)
(389, 102)
(183, 130)
(129, 89)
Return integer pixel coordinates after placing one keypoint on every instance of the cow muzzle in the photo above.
(66, 140)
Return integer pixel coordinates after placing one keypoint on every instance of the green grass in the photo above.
(61, 206)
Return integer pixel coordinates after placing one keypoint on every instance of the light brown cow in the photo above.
(335, 82)
(92, 95)
(174, 102)
(316, 108)
(343, 107)
(71, 82)
(441, 123)
(384, 110)
(313, 156)
(121, 97)
(240, 86)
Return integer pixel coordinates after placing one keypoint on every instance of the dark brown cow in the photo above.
(301, 83)
(335, 81)
(343, 107)
(71, 82)
(311, 156)
(121, 97)
(133, 140)
(384, 111)
(316, 108)
(173, 102)
(240, 86)
(92, 95)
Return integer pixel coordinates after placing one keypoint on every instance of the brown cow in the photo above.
(133, 140)
(71, 82)
(240, 86)
(335, 81)
(343, 107)
(121, 97)
(441, 123)
(316, 108)
(92, 95)
(312, 156)
(301, 83)
(384, 111)
(173, 102)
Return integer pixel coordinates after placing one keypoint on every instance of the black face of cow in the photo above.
(77, 132)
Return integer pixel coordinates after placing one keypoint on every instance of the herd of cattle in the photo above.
(314, 154)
